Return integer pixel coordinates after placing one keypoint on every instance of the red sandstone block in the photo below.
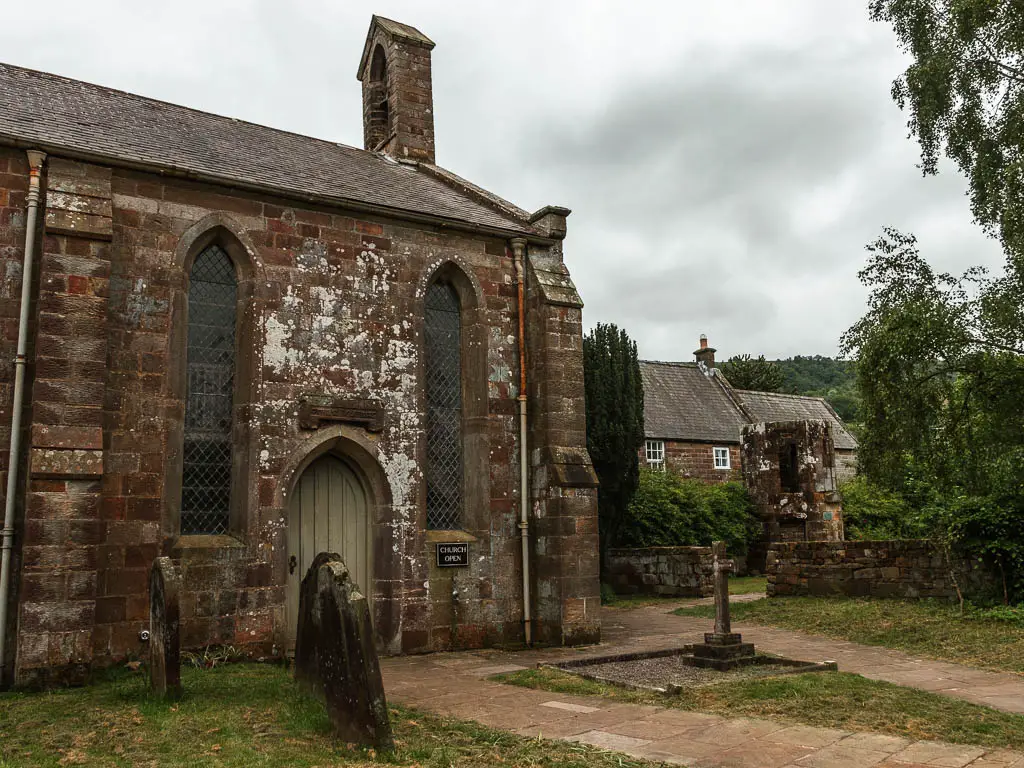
(144, 509)
(110, 610)
(144, 485)
(50, 586)
(81, 585)
(138, 607)
(33, 649)
(49, 436)
(369, 228)
(60, 616)
(125, 581)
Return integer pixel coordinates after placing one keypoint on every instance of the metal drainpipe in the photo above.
(35, 162)
(518, 253)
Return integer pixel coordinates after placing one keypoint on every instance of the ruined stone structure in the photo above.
(247, 346)
(789, 468)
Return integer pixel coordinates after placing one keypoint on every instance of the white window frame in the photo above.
(721, 458)
(654, 452)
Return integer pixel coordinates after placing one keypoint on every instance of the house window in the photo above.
(209, 404)
(655, 454)
(443, 362)
(722, 458)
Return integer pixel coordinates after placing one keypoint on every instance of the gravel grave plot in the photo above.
(659, 672)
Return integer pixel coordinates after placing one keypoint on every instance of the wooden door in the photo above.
(328, 512)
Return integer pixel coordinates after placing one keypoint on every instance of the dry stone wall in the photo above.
(671, 571)
(906, 568)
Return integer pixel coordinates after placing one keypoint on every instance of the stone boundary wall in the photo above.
(907, 568)
(670, 571)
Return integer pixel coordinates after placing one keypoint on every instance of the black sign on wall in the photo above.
(449, 555)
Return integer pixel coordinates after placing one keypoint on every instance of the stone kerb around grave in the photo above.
(336, 656)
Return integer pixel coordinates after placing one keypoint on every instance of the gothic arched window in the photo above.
(443, 364)
(209, 403)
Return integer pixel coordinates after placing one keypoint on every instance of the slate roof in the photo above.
(773, 406)
(681, 402)
(60, 115)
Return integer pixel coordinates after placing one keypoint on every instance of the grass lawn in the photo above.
(246, 715)
(825, 699)
(738, 585)
(924, 628)
(745, 585)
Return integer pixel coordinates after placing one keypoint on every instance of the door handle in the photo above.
(292, 563)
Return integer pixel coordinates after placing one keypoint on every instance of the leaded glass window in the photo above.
(206, 476)
(443, 359)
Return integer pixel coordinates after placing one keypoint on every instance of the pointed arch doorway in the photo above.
(329, 511)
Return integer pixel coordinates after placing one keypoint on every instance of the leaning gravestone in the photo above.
(164, 629)
(335, 654)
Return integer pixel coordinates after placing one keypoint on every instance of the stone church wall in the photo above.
(332, 307)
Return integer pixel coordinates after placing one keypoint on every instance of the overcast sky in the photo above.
(725, 162)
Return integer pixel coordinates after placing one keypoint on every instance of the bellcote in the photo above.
(398, 100)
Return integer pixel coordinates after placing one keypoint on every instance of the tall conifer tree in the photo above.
(615, 422)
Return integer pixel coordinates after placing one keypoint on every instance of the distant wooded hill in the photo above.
(835, 380)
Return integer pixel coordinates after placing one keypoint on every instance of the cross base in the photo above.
(723, 651)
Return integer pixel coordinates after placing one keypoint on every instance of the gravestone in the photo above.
(335, 653)
(722, 649)
(164, 629)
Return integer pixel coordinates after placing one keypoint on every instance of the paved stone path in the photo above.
(455, 685)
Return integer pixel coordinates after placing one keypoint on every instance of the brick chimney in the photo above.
(398, 101)
(705, 354)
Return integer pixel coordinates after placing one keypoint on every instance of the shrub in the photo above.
(869, 512)
(668, 511)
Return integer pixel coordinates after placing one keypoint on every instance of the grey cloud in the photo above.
(726, 163)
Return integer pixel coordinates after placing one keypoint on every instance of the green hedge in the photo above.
(871, 513)
(668, 511)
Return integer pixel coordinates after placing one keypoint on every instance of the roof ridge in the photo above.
(781, 394)
(679, 363)
(196, 110)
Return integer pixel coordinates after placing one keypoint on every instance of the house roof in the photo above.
(774, 406)
(682, 402)
(64, 116)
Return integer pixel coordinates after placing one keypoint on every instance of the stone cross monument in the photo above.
(722, 649)
(722, 569)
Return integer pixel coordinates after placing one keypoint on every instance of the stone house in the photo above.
(238, 346)
(790, 450)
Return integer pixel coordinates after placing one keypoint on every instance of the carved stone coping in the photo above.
(313, 410)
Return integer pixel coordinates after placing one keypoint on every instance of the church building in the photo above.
(238, 347)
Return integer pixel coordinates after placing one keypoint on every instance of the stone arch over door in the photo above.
(353, 454)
